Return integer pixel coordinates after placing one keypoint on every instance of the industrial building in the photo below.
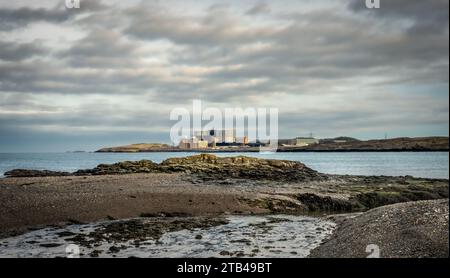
(305, 141)
(287, 142)
(217, 136)
(227, 138)
(213, 138)
(298, 142)
(193, 143)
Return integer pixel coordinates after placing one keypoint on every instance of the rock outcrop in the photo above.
(203, 165)
(141, 147)
(21, 173)
(241, 167)
(394, 144)
(125, 167)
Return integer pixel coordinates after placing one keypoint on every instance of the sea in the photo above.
(417, 164)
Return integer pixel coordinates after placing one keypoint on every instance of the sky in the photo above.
(110, 72)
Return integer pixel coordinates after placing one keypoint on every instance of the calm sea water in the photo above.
(418, 164)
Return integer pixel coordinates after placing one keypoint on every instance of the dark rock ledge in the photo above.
(205, 165)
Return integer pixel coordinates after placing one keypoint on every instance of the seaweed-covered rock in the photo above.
(203, 165)
(208, 165)
(316, 203)
(125, 167)
(34, 173)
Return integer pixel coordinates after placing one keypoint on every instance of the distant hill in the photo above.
(345, 138)
(395, 144)
(338, 139)
(140, 147)
(338, 144)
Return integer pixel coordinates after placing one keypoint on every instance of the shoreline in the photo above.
(224, 236)
(403, 230)
(199, 186)
(402, 144)
(347, 163)
(30, 203)
(279, 150)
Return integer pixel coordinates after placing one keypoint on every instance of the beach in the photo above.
(187, 188)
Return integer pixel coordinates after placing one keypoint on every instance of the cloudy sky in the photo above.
(110, 72)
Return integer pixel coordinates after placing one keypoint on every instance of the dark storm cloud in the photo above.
(11, 51)
(15, 18)
(317, 45)
(101, 48)
(341, 52)
(216, 26)
(21, 17)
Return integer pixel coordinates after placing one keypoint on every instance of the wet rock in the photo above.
(395, 195)
(273, 220)
(125, 167)
(50, 245)
(34, 173)
(203, 166)
(326, 203)
(211, 166)
(75, 222)
(284, 206)
(242, 240)
(95, 253)
(65, 234)
(114, 249)
(139, 230)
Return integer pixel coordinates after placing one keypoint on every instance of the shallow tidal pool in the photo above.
(243, 236)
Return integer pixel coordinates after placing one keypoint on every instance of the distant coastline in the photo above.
(419, 144)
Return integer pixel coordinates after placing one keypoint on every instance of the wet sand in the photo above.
(30, 203)
(197, 193)
(176, 237)
(37, 202)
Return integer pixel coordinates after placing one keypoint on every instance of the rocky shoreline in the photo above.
(418, 144)
(153, 237)
(198, 186)
(206, 166)
(407, 230)
(301, 189)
